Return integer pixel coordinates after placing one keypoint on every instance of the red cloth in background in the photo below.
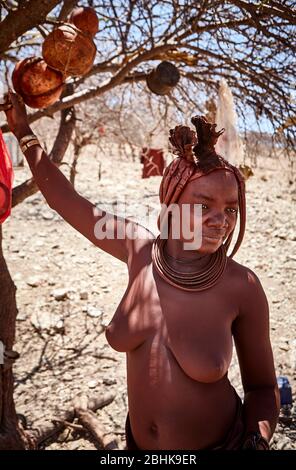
(6, 180)
(153, 162)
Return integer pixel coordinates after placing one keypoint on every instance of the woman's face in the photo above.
(217, 195)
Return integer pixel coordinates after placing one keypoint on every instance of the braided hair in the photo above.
(197, 148)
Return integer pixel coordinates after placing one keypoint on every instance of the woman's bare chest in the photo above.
(192, 328)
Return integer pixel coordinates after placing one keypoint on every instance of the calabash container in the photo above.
(85, 19)
(37, 83)
(69, 50)
(163, 79)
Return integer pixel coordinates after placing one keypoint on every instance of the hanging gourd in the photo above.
(69, 50)
(37, 83)
(85, 19)
(163, 79)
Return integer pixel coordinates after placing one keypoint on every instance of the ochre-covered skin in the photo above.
(37, 83)
(85, 18)
(179, 347)
(69, 51)
(178, 344)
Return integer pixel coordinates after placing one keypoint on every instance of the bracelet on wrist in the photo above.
(26, 138)
(29, 144)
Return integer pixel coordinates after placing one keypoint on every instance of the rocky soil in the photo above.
(67, 290)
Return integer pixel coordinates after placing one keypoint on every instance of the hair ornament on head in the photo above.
(207, 138)
(197, 157)
(182, 139)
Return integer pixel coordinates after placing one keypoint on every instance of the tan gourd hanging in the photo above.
(69, 50)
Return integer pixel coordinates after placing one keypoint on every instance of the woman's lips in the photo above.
(213, 237)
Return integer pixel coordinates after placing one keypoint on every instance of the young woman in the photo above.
(182, 307)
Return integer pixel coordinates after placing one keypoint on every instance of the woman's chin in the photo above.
(210, 245)
(207, 247)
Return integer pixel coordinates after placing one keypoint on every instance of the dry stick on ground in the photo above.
(76, 427)
(90, 421)
(49, 428)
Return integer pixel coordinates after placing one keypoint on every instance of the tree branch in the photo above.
(93, 92)
(267, 10)
(68, 5)
(28, 15)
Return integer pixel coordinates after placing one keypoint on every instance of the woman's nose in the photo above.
(217, 220)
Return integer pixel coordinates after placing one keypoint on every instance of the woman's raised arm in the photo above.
(115, 235)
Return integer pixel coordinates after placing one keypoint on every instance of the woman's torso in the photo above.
(179, 348)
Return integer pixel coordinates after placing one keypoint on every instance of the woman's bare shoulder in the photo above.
(243, 275)
(248, 289)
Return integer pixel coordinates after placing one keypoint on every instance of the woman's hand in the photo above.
(16, 115)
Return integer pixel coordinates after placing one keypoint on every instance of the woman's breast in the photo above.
(201, 360)
(201, 357)
(137, 317)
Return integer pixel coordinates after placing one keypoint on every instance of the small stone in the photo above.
(60, 294)
(21, 316)
(108, 381)
(92, 384)
(47, 321)
(93, 311)
(34, 281)
(83, 295)
(67, 377)
(47, 215)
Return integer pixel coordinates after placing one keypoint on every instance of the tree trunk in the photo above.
(11, 436)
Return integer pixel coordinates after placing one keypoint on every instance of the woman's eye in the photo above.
(232, 210)
(204, 206)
